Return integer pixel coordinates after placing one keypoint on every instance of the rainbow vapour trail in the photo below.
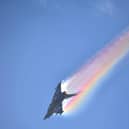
(85, 80)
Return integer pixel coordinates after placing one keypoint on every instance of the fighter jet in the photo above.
(56, 104)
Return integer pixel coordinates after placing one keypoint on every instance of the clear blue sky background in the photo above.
(43, 42)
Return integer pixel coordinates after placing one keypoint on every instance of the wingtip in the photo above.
(45, 118)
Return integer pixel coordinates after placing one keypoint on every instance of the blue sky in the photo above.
(45, 41)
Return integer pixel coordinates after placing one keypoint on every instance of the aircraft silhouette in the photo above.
(56, 104)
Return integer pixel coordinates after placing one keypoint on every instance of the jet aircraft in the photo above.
(56, 104)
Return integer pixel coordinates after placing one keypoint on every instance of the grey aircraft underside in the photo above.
(56, 104)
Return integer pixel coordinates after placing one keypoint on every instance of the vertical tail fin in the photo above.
(69, 95)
